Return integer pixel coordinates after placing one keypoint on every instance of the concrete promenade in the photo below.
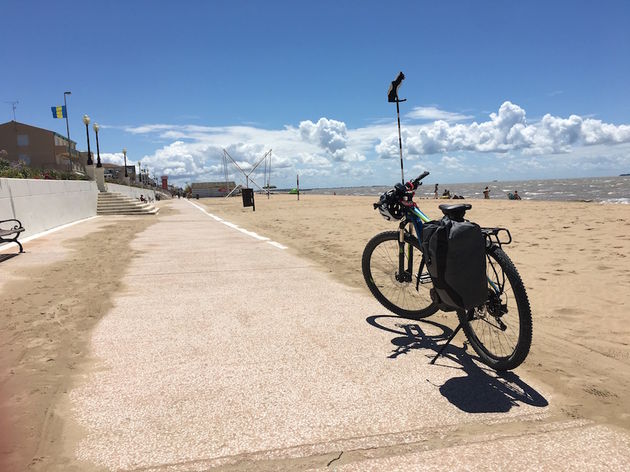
(227, 351)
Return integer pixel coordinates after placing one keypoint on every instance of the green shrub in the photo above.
(17, 170)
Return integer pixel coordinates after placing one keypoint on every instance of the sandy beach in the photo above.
(573, 258)
(49, 307)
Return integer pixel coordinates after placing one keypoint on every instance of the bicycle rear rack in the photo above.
(492, 235)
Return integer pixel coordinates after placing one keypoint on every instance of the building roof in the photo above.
(38, 128)
(210, 185)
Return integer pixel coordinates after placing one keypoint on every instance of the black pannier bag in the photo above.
(455, 255)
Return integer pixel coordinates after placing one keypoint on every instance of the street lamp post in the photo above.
(125, 155)
(98, 151)
(86, 120)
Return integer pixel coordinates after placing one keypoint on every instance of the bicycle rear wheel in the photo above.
(408, 296)
(500, 331)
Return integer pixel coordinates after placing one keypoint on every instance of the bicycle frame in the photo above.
(416, 218)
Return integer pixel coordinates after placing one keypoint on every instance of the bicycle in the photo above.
(394, 268)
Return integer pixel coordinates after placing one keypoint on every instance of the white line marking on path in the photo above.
(45, 233)
(278, 245)
(238, 228)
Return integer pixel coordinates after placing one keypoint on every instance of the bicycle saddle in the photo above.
(455, 212)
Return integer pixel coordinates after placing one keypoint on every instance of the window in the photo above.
(22, 140)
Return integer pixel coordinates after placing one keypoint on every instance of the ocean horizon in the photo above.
(588, 189)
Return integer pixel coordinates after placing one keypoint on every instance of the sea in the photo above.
(595, 189)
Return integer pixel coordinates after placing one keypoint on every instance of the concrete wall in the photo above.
(44, 204)
(133, 192)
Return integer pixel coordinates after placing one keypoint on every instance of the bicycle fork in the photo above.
(404, 274)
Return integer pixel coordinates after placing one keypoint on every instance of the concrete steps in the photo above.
(110, 203)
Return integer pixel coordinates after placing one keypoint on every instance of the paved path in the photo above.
(228, 351)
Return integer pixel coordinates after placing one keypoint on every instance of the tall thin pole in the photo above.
(269, 175)
(87, 133)
(402, 175)
(266, 179)
(392, 96)
(67, 128)
(298, 186)
(98, 150)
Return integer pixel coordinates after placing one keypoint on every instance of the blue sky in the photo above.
(496, 90)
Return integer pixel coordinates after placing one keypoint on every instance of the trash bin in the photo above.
(248, 197)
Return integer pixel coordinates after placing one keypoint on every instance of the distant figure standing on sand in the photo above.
(486, 193)
(436, 191)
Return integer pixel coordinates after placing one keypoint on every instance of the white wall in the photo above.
(133, 192)
(44, 204)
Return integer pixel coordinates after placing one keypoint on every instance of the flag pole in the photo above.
(67, 129)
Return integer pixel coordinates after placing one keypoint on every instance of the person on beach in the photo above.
(486, 193)
(436, 191)
(516, 195)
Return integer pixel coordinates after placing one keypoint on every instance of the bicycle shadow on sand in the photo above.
(481, 390)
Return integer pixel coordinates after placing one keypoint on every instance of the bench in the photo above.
(14, 228)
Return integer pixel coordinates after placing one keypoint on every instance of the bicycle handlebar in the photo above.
(416, 182)
(400, 190)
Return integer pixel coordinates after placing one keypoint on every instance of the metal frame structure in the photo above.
(266, 158)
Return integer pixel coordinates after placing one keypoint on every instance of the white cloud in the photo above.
(452, 163)
(115, 158)
(507, 130)
(330, 135)
(330, 153)
(434, 113)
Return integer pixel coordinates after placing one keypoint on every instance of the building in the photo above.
(211, 189)
(116, 172)
(39, 148)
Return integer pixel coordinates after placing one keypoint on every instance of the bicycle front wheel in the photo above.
(406, 295)
(500, 331)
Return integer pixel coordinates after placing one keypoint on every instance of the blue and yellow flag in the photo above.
(58, 112)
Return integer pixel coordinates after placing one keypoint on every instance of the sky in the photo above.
(495, 89)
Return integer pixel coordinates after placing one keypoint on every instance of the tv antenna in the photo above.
(14, 106)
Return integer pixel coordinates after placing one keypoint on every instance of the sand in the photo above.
(50, 304)
(572, 256)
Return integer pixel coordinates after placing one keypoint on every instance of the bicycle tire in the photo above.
(487, 327)
(380, 264)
